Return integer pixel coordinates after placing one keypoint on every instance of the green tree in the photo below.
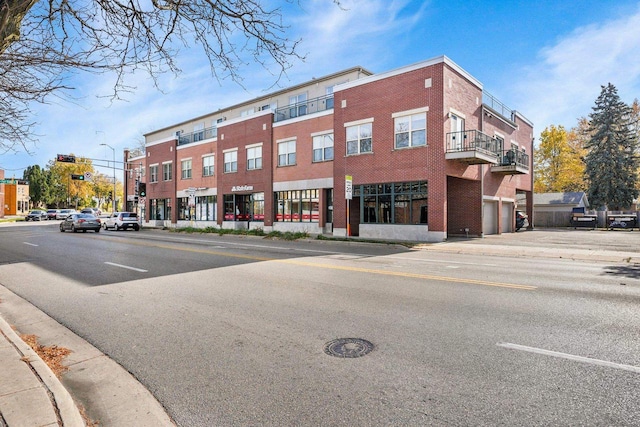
(38, 185)
(558, 165)
(611, 161)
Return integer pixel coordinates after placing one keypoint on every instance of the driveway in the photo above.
(596, 245)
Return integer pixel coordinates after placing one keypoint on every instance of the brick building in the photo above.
(423, 152)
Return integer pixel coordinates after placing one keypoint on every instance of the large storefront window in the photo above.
(160, 209)
(394, 203)
(244, 207)
(203, 210)
(298, 206)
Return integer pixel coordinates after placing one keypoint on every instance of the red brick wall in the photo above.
(156, 154)
(464, 207)
(304, 168)
(253, 130)
(379, 100)
(195, 151)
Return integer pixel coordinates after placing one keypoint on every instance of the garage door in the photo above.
(507, 217)
(490, 218)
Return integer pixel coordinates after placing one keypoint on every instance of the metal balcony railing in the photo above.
(471, 140)
(513, 157)
(298, 109)
(199, 135)
(497, 106)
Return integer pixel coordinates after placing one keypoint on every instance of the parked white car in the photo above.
(121, 221)
(64, 213)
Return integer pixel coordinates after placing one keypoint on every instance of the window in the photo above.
(247, 112)
(287, 153)
(254, 158)
(204, 208)
(298, 206)
(411, 131)
(166, 172)
(394, 203)
(198, 132)
(328, 91)
(207, 166)
(457, 129)
(153, 172)
(298, 105)
(185, 166)
(231, 161)
(323, 147)
(359, 139)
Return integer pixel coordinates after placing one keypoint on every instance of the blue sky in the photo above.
(546, 59)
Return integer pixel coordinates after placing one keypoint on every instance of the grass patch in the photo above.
(253, 232)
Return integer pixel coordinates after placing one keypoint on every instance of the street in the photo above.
(229, 330)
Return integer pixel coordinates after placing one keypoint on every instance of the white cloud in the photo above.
(565, 83)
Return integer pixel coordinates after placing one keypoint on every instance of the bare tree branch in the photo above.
(43, 43)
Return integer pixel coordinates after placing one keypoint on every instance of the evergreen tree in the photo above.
(38, 185)
(611, 164)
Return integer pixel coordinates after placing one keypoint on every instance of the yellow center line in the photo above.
(343, 268)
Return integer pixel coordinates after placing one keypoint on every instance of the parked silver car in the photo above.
(80, 222)
(36, 215)
(65, 213)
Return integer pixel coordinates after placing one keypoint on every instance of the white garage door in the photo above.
(507, 217)
(490, 220)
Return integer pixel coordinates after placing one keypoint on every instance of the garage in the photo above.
(490, 217)
(507, 217)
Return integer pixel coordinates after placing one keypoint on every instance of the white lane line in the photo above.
(126, 266)
(570, 357)
(30, 244)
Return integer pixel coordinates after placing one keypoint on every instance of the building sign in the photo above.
(237, 188)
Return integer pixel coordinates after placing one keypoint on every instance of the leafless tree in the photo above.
(43, 43)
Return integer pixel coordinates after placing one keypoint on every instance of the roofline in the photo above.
(418, 65)
(269, 95)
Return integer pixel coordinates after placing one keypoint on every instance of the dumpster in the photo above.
(579, 219)
(622, 221)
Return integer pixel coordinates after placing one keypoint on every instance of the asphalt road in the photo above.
(232, 331)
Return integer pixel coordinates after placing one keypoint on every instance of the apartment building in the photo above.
(418, 153)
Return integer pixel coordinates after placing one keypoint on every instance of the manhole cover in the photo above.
(348, 347)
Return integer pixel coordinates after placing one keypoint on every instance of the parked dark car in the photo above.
(521, 220)
(52, 213)
(80, 222)
(36, 215)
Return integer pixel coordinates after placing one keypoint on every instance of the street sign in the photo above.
(7, 181)
(65, 158)
(87, 176)
(348, 187)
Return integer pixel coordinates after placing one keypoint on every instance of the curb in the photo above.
(61, 401)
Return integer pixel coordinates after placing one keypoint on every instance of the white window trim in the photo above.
(499, 135)
(410, 112)
(166, 163)
(359, 122)
(457, 113)
(324, 132)
(208, 155)
(229, 150)
(155, 164)
(186, 158)
(259, 144)
(293, 138)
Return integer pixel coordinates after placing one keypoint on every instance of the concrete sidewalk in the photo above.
(31, 395)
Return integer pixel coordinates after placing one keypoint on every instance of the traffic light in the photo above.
(66, 158)
(78, 177)
(142, 189)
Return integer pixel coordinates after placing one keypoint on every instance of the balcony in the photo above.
(472, 147)
(512, 162)
(299, 109)
(199, 135)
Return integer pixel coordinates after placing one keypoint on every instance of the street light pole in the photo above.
(113, 198)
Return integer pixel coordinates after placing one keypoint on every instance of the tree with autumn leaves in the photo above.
(600, 155)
